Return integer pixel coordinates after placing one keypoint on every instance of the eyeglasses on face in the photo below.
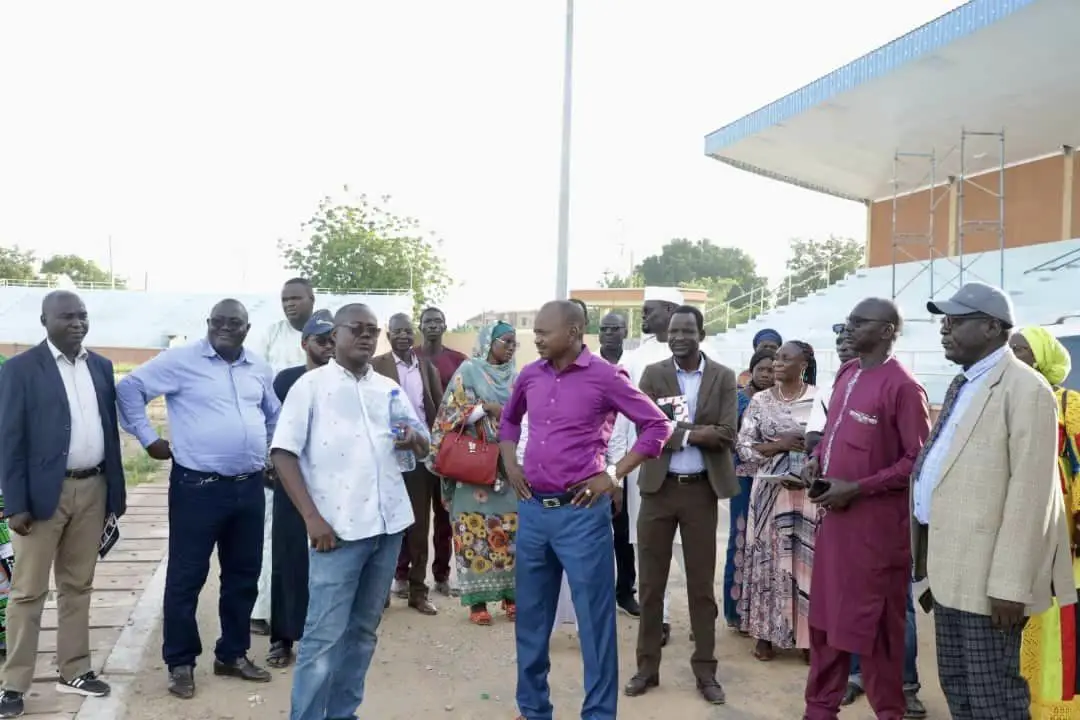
(220, 323)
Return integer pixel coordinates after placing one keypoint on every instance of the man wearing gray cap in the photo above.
(988, 529)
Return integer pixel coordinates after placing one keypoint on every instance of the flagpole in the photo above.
(562, 265)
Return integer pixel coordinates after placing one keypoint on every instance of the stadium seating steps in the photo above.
(1041, 296)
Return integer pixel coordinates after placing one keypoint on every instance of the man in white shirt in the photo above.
(819, 413)
(334, 454)
(656, 313)
(281, 346)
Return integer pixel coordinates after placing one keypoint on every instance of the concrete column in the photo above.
(869, 232)
(1069, 171)
(954, 212)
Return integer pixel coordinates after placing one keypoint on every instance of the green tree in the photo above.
(683, 263)
(362, 246)
(79, 269)
(614, 280)
(816, 264)
(17, 264)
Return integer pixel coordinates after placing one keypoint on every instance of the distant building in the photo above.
(520, 319)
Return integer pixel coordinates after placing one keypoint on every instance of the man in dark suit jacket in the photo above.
(420, 380)
(62, 476)
(680, 492)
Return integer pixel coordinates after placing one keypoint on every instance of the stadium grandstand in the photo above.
(958, 138)
(131, 326)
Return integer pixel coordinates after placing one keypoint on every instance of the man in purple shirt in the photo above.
(564, 518)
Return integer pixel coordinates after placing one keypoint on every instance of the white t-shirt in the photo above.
(338, 426)
(280, 346)
(819, 413)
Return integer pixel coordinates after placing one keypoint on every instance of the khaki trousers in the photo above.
(67, 542)
(692, 509)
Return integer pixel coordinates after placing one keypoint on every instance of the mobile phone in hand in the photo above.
(817, 488)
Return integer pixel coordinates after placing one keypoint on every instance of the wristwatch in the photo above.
(610, 470)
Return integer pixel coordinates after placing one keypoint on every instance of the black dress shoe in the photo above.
(629, 605)
(640, 684)
(182, 682)
(712, 692)
(11, 704)
(666, 635)
(853, 693)
(241, 668)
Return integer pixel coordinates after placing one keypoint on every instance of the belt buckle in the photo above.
(550, 502)
(685, 479)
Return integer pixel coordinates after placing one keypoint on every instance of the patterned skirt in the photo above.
(1050, 660)
(7, 567)
(485, 525)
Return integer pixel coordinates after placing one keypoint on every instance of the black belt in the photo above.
(84, 473)
(556, 501)
(215, 477)
(687, 478)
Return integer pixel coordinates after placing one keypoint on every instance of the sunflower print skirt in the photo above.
(485, 542)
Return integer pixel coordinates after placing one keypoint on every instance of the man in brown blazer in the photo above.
(680, 492)
(988, 522)
(420, 381)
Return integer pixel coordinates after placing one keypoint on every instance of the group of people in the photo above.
(317, 469)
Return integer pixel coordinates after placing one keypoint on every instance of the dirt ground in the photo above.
(443, 666)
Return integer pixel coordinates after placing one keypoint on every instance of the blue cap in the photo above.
(320, 323)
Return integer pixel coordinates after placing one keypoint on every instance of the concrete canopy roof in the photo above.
(987, 66)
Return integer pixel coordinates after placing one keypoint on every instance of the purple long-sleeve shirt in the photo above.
(571, 414)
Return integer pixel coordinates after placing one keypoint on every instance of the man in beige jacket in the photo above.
(988, 527)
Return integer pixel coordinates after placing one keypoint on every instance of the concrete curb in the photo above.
(125, 660)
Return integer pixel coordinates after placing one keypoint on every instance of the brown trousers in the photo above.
(422, 486)
(67, 543)
(693, 509)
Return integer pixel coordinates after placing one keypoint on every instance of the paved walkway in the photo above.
(117, 618)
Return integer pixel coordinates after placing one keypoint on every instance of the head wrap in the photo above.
(767, 334)
(1051, 357)
(499, 329)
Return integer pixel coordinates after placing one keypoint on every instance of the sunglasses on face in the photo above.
(322, 340)
(227, 323)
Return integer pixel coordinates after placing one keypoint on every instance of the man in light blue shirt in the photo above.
(222, 412)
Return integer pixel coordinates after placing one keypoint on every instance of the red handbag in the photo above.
(467, 459)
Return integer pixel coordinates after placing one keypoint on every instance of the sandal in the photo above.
(764, 652)
(510, 609)
(480, 617)
(280, 656)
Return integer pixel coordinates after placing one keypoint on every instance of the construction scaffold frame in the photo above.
(901, 241)
(980, 226)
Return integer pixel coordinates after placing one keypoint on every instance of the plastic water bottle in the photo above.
(406, 459)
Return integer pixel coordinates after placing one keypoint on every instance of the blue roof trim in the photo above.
(964, 20)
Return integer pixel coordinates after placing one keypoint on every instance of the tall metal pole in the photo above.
(112, 277)
(562, 292)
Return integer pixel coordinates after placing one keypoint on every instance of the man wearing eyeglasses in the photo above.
(289, 572)
(222, 413)
(419, 380)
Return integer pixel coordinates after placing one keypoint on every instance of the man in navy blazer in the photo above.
(62, 476)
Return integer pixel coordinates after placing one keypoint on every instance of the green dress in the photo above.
(484, 519)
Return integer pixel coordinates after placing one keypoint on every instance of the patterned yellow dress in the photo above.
(1050, 650)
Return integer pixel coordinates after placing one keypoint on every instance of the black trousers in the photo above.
(289, 570)
(625, 567)
(205, 511)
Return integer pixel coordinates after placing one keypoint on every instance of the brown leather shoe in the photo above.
(712, 692)
(640, 684)
(423, 606)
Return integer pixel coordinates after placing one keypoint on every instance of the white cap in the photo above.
(664, 294)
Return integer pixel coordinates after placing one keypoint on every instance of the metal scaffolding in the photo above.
(994, 224)
(903, 194)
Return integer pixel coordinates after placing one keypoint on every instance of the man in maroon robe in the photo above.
(877, 423)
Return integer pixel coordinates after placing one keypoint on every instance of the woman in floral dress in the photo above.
(775, 600)
(484, 519)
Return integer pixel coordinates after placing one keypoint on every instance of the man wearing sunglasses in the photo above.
(289, 571)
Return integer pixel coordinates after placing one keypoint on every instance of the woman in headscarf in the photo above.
(1048, 654)
(761, 378)
(775, 600)
(484, 519)
(764, 339)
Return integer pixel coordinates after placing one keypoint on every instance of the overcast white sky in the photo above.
(197, 134)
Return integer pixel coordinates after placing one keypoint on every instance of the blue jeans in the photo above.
(204, 513)
(348, 587)
(579, 541)
(911, 654)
